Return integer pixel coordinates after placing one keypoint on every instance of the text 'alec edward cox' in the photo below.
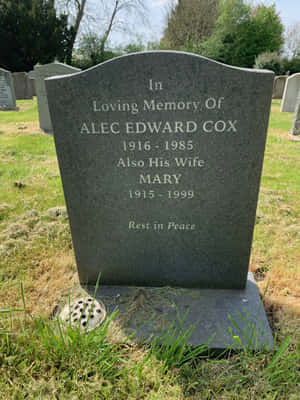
(157, 127)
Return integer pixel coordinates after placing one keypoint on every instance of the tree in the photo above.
(271, 61)
(30, 32)
(90, 52)
(189, 22)
(292, 39)
(105, 17)
(242, 33)
(76, 10)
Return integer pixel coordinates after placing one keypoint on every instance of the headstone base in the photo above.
(230, 318)
(9, 108)
(47, 131)
(295, 138)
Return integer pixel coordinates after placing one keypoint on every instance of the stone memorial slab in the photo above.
(45, 71)
(7, 92)
(32, 82)
(278, 86)
(296, 120)
(22, 86)
(291, 90)
(160, 156)
(32, 87)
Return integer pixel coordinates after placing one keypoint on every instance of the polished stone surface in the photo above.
(160, 156)
(228, 318)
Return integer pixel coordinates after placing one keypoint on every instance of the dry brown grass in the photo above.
(51, 279)
(20, 129)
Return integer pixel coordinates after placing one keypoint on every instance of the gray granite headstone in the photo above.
(291, 90)
(40, 73)
(32, 82)
(32, 87)
(22, 86)
(7, 92)
(160, 156)
(278, 86)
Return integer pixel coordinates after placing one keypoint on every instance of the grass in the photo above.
(41, 359)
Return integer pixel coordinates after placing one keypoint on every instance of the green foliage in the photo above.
(153, 46)
(31, 33)
(242, 33)
(138, 46)
(134, 48)
(292, 65)
(172, 347)
(279, 65)
(271, 61)
(90, 52)
(51, 359)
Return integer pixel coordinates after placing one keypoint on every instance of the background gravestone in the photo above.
(41, 72)
(291, 90)
(296, 121)
(278, 86)
(32, 87)
(22, 86)
(32, 82)
(7, 93)
(160, 156)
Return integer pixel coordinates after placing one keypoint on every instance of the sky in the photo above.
(289, 11)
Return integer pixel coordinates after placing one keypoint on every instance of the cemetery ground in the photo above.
(37, 270)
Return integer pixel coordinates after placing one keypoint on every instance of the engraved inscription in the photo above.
(5, 93)
(153, 147)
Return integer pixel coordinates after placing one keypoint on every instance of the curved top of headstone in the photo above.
(54, 69)
(291, 90)
(4, 70)
(173, 55)
(55, 63)
(294, 76)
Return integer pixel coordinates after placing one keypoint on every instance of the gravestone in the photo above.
(32, 87)
(160, 156)
(291, 90)
(7, 92)
(278, 86)
(41, 72)
(296, 121)
(32, 82)
(22, 86)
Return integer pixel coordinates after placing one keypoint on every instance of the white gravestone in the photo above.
(296, 121)
(45, 71)
(290, 94)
